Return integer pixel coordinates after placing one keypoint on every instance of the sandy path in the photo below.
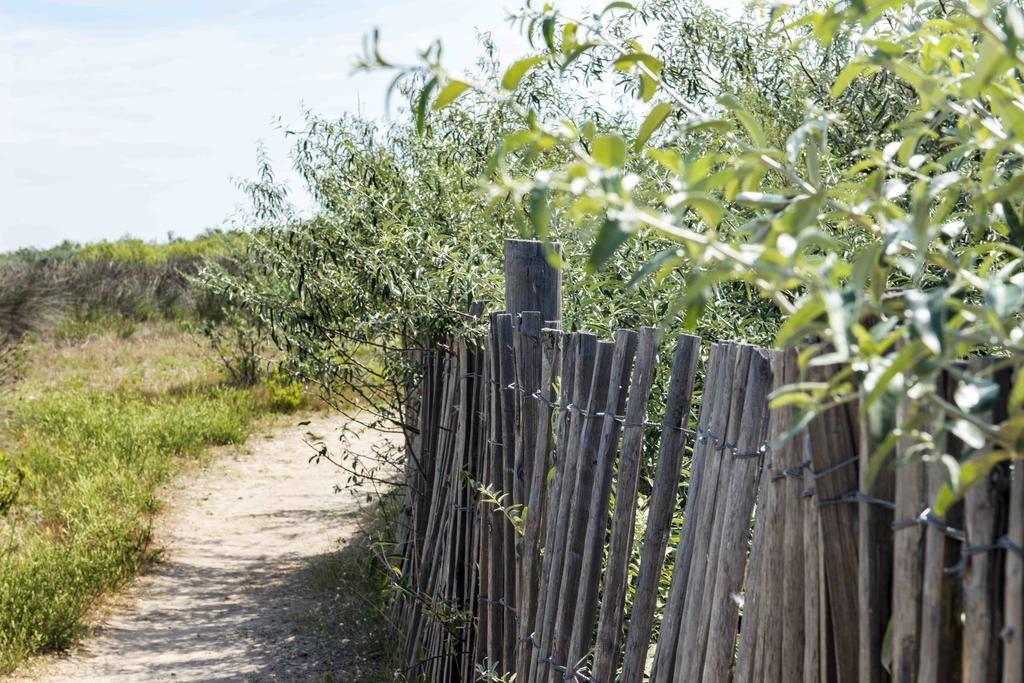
(231, 597)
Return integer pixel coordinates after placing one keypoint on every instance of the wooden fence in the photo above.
(793, 563)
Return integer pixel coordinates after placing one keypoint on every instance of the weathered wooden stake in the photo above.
(624, 518)
(531, 282)
(570, 345)
(663, 503)
(582, 624)
(537, 505)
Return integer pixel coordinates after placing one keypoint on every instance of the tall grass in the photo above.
(96, 451)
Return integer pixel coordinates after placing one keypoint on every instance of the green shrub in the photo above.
(285, 393)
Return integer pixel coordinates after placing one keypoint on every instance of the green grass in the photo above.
(99, 427)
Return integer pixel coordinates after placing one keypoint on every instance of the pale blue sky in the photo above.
(135, 116)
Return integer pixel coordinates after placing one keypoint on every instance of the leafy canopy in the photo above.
(881, 217)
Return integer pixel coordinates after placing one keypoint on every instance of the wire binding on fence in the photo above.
(817, 474)
(967, 550)
(529, 639)
(798, 470)
(500, 602)
(580, 410)
(857, 496)
(704, 435)
(928, 518)
(794, 471)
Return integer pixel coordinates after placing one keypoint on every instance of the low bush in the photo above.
(285, 393)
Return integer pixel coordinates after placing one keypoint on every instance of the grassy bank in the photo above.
(97, 425)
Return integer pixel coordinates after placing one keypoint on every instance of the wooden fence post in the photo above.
(531, 282)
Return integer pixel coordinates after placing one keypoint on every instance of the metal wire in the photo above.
(857, 496)
(927, 518)
(967, 551)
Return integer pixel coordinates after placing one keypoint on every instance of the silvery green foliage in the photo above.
(856, 164)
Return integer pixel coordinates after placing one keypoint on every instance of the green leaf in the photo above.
(1015, 402)
(838, 310)
(648, 87)
(660, 261)
(617, 5)
(796, 325)
(950, 468)
(613, 234)
(971, 472)
(421, 105)
(572, 55)
(548, 31)
(763, 200)
(709, 208)
(801, 212)
(754, 129)
(609, 150)
(1013, 222)
(881, 376)
(515, 73)
(669, 158)
(927, 319)
(969, 433)
(975, 394)
(627, 62)
(848, 74)
(540, 210)
(699, 124)
(448, 94)
(653, 121)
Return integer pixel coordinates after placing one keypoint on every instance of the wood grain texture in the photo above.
(735, 527)
(1013, 609)
(794, 586)
(833, 438)
(686, 649)
(531, 282)
(814, 587)
(662, 503)
(668, 637)
(582, 383)
(609, 631)
(579, 510)
(908, 569)
(984, 519)
(509, 408)
(536, 511)
(700, 622)
(941, 598)
(582, 624)
(874, 557)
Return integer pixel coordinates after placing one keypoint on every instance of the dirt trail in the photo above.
(247, 585)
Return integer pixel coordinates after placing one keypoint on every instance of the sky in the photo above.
(138, 116)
